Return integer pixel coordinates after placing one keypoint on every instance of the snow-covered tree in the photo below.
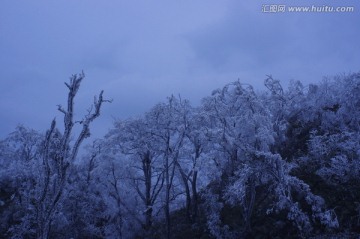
(40, 164)
(19, 160)
(132, 142)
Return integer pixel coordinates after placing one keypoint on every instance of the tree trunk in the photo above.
(249, 206)
(167, 197)
(194, 200)
(148, 202)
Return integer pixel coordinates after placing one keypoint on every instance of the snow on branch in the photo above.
(93, 113)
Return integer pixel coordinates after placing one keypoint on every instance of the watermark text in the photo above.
(280, 8)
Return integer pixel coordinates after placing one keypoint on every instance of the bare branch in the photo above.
(54, 177)
(68, 86)
(46, 159)
(61, 109)
(85, 132)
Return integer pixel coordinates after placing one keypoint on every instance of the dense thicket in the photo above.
(283, 163)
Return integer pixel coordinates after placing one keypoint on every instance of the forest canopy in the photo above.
(280, 163)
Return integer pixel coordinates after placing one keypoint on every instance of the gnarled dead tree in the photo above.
(58, 156)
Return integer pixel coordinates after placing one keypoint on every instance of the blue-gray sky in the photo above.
(139, 52)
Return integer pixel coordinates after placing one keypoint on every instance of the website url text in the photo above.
(277, 8)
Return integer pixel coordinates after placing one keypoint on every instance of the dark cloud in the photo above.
(141, 52)
(290, 45)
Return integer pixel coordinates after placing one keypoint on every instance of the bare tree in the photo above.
(56, 161)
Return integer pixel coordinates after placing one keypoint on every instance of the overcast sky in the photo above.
(141, 51)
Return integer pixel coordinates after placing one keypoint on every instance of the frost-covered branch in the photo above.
(91, 116)
(56, 149)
